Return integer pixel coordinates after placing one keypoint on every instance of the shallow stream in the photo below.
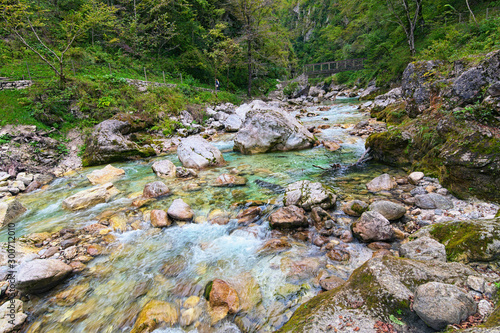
(115, 287)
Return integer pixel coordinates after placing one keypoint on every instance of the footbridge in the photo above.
(332, 67)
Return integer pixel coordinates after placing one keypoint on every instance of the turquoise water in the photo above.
(201, 251)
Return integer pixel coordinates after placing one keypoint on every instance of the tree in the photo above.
(26, 22)
(223, 50)
(408, 14)
(256, 19)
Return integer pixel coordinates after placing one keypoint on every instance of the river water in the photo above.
(107, 292)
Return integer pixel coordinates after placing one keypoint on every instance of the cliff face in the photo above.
(446, 123)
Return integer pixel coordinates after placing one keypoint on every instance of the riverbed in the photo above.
(114, 288)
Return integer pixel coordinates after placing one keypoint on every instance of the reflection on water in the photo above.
(108, 300)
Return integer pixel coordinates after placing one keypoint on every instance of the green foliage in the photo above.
(16, 109)
(396, 320)
(5, 138)
(290, 88)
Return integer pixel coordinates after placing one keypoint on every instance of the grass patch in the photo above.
(15, 110)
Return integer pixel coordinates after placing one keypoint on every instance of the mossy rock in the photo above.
(468, 241)
(379, 290)
(464, 155)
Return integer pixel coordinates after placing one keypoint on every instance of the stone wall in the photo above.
(21, 84)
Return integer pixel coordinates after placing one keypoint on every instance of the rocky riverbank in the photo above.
(444, 120)
(434, 257)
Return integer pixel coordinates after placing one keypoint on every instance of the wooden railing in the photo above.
(332, 67)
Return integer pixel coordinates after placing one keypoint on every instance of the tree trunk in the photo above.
(249, 58)
(61, 75)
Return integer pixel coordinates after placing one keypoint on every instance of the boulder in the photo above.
(154, 314)
(232, 123)
(423, 248)
(90, 197)
(469, 84)
(10, 209)
(373, 227)
(274, 246)
(186, 173)
(415, 177)
(381, 183)
(271, 130)
(306, 194)
(249, 215)
(11, 316)
(180, 211)
(39, 275)
(390, 210)
(159, 218)
(467, 241)
(441, 304)
(289, 217)
(164, 169)
(331, 282)
(197, 153)
(354, 207)
(105, 175)
(433, 201)
(377, 291)
(227, 180)
(25, 178)
(155, 189)
(222, 295)
(108, 143)
(391, 97)
(331, 146)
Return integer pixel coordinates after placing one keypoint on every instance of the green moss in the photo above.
(493, 320)
(467, 241)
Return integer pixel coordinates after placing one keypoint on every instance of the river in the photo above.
(115, 286)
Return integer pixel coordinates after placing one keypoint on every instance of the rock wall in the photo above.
(22, 84)
(445, 122)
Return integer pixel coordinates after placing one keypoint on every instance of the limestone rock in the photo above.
(11, 316)
(227, 180)
(372, 227)
(39, 275)
(180, 211)
(289, 217)
(271, 130)
(90, 197)
(275, 246)
(355, 207)
(331, 282)
(440, 304)
(159, 218)
(155, 189)
(467, 241)
(105, 175)
(154, 314)
(415, 177)
(307, 195)
(164, 169)
(223, 295)
(381, 183)
(197, 153)
(381, 287)
(389, 209)
(433, 201)
(10, 209)
(108, 143)
(423, 248)
(232, 123)
(249, 215)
